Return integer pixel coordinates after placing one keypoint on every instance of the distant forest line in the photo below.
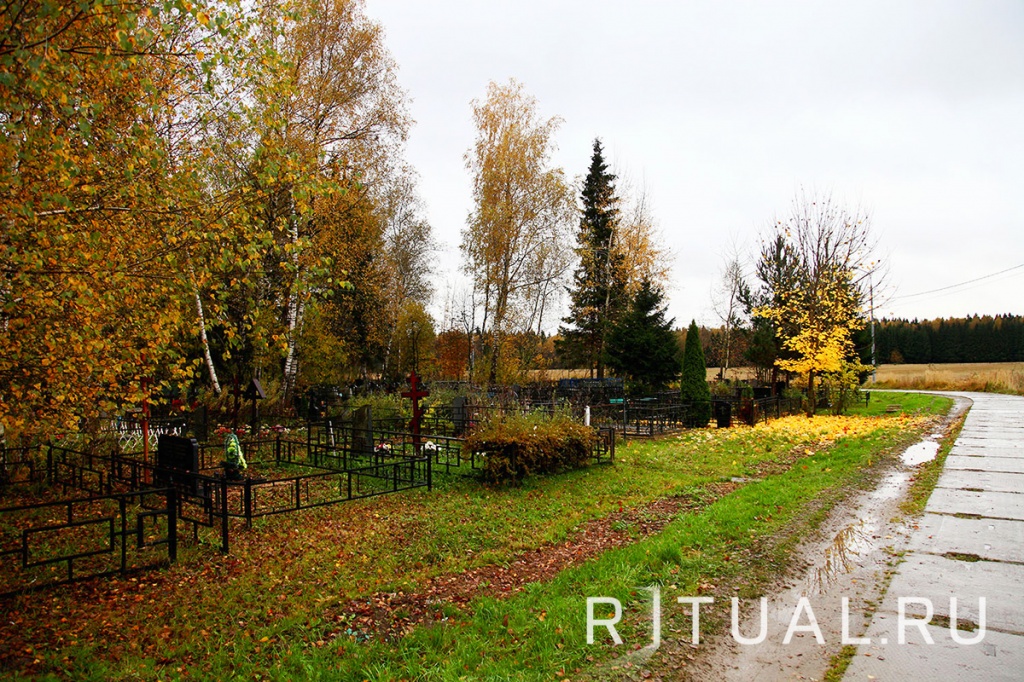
(979, 338)
(972, 339)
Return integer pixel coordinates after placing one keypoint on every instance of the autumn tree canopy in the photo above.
(816, 301)
(179, 181)
(515, 242)
(104, 106)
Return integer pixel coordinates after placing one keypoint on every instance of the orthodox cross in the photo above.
(415, 392)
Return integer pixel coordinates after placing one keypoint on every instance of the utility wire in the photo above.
(954, 286)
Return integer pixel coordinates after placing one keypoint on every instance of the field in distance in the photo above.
(998, 377)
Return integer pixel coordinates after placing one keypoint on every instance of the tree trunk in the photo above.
(603, 327)
(291, 362)
(202, 331)
(492, 375)
(812, 402)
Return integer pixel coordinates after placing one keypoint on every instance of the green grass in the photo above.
(912, 403)
(274, 608)
(840, 662)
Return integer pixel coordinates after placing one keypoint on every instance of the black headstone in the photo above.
(177, 461)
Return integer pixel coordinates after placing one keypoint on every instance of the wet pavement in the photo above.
(963, 570)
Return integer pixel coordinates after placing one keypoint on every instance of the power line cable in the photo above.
(955, 286)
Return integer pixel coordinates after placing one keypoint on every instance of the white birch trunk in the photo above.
(202, 332)
(291, 362)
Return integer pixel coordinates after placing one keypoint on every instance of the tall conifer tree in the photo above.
(597, 292)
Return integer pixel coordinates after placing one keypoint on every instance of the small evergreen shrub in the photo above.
(515, 446)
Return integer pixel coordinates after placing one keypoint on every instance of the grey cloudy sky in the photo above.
(722, 110)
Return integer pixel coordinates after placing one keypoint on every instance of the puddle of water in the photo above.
(920, 453)
(859, 539)
(841, 555)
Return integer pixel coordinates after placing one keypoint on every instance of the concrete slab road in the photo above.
(964, 569)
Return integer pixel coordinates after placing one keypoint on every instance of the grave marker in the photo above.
(177, 461)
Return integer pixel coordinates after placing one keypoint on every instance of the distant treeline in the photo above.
(972, 339)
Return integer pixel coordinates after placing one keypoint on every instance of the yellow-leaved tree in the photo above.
(103, 106)
(516, 241)
(818, 308)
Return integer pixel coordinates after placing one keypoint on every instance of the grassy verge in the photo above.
(928, 473)
(912, 403)
(274, 608)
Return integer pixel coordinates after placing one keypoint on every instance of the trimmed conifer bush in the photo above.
(694, 382)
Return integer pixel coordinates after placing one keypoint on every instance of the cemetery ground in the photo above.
(471, 581)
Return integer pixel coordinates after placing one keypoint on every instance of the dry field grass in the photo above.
(1000, 377)
(742, 373)
(996, 377)
(556, 374)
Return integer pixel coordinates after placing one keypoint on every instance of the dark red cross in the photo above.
(415, 392)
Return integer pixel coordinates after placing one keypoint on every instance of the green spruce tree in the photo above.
(642, 346)
(694, 383)
(596, 296)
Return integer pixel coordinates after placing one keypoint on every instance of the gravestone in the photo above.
(362, 431)
(177, 461)
(459, 414)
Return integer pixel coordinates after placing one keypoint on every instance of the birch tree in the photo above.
(102, 156)
(727, 301)
(515, 239)
(327, 125)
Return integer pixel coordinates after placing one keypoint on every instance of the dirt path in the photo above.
(390, 615)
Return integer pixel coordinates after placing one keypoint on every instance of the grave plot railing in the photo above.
(444, 451)
(604, 447)
(129, 430)
(441, 424)
(201, 499)
(252, 498)
(57, 542)
(23, 464)
(330, 433)
(210, 501)
(764, 409)
(640, 420)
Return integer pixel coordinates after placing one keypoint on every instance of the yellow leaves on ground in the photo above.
(826, 429)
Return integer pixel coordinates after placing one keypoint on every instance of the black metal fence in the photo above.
(21, 465)
(57, 542)
(640, 418)
(208, 499)
(751, 411)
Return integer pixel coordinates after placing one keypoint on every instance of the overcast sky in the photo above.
(722, 110)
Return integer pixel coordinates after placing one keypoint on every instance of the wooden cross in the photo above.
(415, 392)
